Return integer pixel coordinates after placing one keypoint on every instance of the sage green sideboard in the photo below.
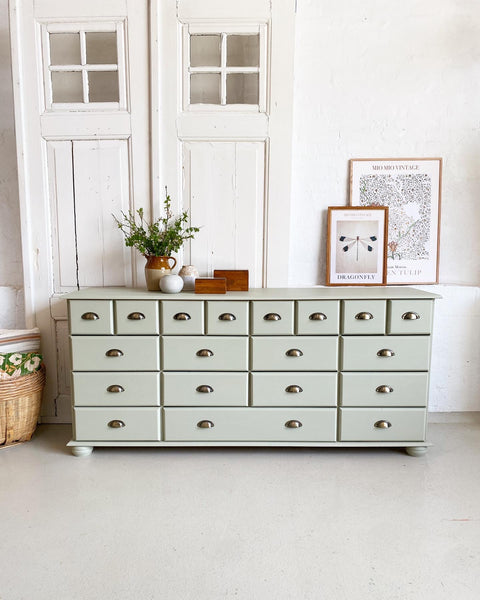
(268, 367)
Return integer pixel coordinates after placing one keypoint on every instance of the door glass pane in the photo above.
(242, 88)
(243, 50)
(103, 86)
(67, 86)
(65, 49)
(205, 88)
(205, 50)
(101, 48)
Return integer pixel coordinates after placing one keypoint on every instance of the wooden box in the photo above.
(237, 280)
(210, 285)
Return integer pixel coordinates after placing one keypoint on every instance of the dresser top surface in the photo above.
(307, 293)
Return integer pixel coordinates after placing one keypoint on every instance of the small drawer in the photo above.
(116, 389)
(363, 317)
(386, 353)
(214, 353)
(294, 353)
(317, 317)
(115, 353)
(382, 424)
(133, 317)
(383, 389)
(117, 424)
(294, 389)
(272, 318)
(250, 424)
(205, 389)
(410, 316)
(91, 317)
(182, 317)
(227, 318)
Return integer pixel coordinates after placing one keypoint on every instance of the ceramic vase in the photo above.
(156, 268)
(171, 284)
(188, 273)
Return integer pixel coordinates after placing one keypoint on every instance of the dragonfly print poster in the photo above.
(411, 190)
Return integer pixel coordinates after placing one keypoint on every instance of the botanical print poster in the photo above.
(411, 190)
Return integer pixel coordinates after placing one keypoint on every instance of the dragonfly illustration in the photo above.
(357, 241)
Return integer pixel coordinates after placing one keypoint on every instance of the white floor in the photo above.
(246, 524)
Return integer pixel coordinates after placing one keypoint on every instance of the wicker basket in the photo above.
(20, 401)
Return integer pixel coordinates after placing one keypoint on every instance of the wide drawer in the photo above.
(317, 317)
(136, 317)
(294, 353)
(272, 317)
(294, 389)
(386, 353)
(410, 316)
(205, 389)
(382, 424)
(363, 317)
(227, 318)
(383, 389)
(213, 353)
(90, 317)
(115, 353)
(182, 317)
(117, 424)
(116, 389)
(250, 424)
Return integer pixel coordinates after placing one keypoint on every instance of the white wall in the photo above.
(377, 78)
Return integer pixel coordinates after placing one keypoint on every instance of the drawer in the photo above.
(410, 316)
(205, 389)
(213, 353)
(364, 424)
(386, 353)
(317, 317)
(294, 353)
(227, 318)
(116, 389)
(134, 353)
(97, 424)
(182, 317)
(91, 317)
(137, 317)
(363, 317)
(272, 318)
(294, 389)
(383, 389)
(250, 424)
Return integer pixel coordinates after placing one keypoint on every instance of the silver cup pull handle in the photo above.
(272, 317)
(385, 353)
(204, 352)
(294, 352)
(410, 316)
(136, 316)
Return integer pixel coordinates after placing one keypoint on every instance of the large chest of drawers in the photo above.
(268, 367)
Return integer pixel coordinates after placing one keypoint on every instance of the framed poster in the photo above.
(357, 245)
(411, 188)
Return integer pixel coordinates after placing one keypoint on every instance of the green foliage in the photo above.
(161, 238)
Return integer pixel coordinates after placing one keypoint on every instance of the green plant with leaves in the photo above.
(161, 238)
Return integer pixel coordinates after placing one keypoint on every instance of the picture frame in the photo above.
(411, 188)
(357, 245)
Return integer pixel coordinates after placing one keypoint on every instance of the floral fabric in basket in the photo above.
(16, 364)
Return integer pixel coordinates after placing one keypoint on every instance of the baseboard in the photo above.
(454, 417)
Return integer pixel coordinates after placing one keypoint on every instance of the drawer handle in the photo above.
(364, 316)
(272, 317)
(293, 424)
(294, 389)
(383, 424)
(136, 316)
(227, 317)
(204, 352)
(90, 316)
(385, 352)
(114, 352)
(294, 352)
(205, 389)
(115, 389)
(115, 424)
(318, 317)
(182, 317)
(410, 316)
(384, 389)
(205, 424)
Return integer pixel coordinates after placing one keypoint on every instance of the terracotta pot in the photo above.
(156, 268)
